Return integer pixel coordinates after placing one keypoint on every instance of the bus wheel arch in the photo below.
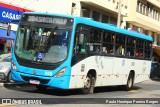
(130, 80)
(89, 82)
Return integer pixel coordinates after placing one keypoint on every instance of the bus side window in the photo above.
(139, 48)
(147, 49)
(120, 44)
(130, 48)
(95, 40)
(108, 43)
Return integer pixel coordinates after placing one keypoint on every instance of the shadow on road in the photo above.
(24, 87)
(155, 79)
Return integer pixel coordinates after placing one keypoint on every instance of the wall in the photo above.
(54, 6)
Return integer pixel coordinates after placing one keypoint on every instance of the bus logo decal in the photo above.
(123, 62)
(40, 55)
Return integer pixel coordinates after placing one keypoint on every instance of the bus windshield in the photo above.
(42, 42)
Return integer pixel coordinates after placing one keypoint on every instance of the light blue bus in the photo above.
(70, 52)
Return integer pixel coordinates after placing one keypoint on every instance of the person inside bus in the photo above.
(138, 54)
(120, 50)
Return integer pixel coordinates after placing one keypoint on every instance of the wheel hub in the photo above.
(87, 84)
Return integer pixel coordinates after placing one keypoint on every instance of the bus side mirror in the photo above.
(81, 38)
(9, 27)
(9, 30)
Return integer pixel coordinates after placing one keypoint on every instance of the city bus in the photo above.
(71, 52)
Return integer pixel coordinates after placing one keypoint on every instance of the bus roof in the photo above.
(113, 28)
(91, 22)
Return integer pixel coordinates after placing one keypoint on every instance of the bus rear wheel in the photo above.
(129, 84)
(89, 85)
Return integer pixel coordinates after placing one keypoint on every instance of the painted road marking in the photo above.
(134, 90)
(7, 105)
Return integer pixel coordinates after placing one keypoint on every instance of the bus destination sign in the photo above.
(42, 19)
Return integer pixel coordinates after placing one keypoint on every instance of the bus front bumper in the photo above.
(56, 82)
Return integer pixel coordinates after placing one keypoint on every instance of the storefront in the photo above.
(156, 54)
(8, 13)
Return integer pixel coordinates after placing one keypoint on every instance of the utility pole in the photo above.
(119, 13)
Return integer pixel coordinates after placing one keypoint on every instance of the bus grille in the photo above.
(42, 81)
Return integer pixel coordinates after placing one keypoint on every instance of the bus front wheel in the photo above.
(89, 85)
(129, 84)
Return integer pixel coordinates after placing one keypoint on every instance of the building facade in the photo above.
(7, 13)
(137, 15)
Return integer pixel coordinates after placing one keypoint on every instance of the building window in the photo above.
(148, 10)
(96, 16)
(85, 12)
(145, 32)
(73, 9)
(105, 19)
(113, 20)
(145, 10)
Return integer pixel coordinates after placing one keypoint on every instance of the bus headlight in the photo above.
(61, 72)
(14, 66)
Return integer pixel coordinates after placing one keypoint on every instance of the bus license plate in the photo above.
(34, 82)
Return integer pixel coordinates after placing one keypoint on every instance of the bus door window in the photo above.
(75, 47)
(80, 41)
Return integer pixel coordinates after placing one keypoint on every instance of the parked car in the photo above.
(5, 68)
(2, 56)
(155, 70)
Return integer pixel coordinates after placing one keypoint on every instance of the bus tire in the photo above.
(129, 84)
(9, 78)
(89, 85)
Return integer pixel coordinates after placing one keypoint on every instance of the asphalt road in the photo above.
(147, 89)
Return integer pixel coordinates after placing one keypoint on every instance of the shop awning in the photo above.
(3, 35)
(157, 52)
